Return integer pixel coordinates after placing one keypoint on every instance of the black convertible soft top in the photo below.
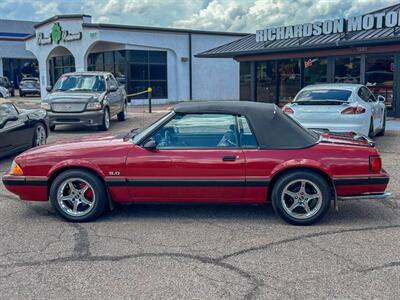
(273, 128)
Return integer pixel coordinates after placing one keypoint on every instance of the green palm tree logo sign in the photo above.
(56, 33)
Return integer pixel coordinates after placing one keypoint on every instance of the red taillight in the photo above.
(375, 163)
(288, 110)
(354, 110)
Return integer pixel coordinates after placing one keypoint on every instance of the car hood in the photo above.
(72, 97)
(84, 146)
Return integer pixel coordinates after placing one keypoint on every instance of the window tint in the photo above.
(198, 131)
(246, 136)
(323, 95)
(366, 95)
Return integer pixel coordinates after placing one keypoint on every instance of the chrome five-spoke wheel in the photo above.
(76, 197)
(301, 199)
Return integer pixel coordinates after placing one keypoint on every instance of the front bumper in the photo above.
(29, 91)
(87, 118)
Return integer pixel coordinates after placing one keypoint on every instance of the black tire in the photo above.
(52, 127)
(382, 131)
(39, 135)
(106, 123)
(21, 94)
(371, 129)
(99, 198)
(280, 200)
(13, 93)
(124, 113)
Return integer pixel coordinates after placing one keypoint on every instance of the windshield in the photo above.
(323, 95)
(92, 83)
(144, 132)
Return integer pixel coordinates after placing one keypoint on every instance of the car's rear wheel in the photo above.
(382, 131)
(371, 132)
(301, 197)
(39, 135)
(21, 94)
(106, 120)
(78, 195)
(124, 113)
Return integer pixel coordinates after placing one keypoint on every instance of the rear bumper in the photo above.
(361, 186)
(382, 196)
(29, 91)
(87, 118)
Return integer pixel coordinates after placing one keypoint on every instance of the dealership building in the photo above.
(139, 57)
(275, 63)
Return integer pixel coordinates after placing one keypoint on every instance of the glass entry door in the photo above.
(379, 77)
(290, 80)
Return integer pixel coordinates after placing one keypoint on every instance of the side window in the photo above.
(198, 131)
(366, 95)
(113, 81)
(6, 111)
(246, 136)
(371, 97)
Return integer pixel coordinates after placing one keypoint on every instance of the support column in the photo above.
(1, 66)
(44, 77)
(80, 62)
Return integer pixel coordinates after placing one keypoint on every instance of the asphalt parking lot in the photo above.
(201, 251)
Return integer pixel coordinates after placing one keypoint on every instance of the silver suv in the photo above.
(86, 98)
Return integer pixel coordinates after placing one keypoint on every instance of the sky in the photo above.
(220, 15)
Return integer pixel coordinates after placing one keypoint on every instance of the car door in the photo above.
(197, 159)
(113, 95)
(14, 133)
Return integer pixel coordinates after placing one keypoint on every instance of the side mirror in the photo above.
(151, 144)
(49, 88)
(113, 88)
(381, 98)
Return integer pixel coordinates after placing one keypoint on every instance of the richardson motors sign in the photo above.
(373, 21)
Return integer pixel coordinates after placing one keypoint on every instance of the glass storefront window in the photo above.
(266, 82)
(60, 65)
(379, 77)
(315, 70)
(245, 81)
(290, 80)
(347, 69)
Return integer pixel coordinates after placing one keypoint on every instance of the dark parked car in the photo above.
(29, 86)
(4, 82)
(86, 98)
(21, 129)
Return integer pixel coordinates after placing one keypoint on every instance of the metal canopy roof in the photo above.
(249, 46)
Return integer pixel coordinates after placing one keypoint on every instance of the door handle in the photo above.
(229, 158)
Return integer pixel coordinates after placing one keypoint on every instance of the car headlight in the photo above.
(15, 169)
(93, 106)
(45, 106)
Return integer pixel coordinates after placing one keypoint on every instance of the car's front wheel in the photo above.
(39, 135)
(301, 197)
(106, 120)
(78, 195)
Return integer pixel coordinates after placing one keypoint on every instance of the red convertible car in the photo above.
(216, 152)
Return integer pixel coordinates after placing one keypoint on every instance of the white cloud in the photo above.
(232, 15)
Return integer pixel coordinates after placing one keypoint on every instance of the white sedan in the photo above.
(339, 108)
